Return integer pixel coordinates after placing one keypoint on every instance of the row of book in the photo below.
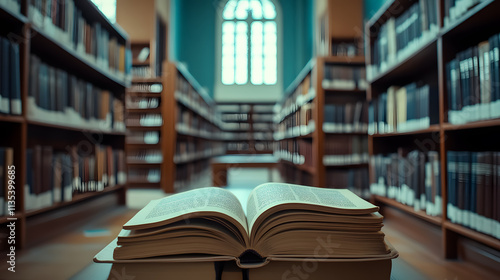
(299, 123)
(55, 176)
(146, 88)
(474, 190)
(344, 77)
(346, 48)
(143, 175)
(245, 146)
(142, 102)
(453, 9)
(65, 23)
(142, 72)
(10, 77)
(473, 83)
(413, 179)
(7, 170)
(304, 93)
(145, 156)
(349, 117)
(192, 123)
(147, 120)
(401, 36)
(185, 174)
(296, 176)
(297, 151)
(354, 179)
(345, 149)
(56, 96)
(143, 137)
(401, 109)
(186, 151)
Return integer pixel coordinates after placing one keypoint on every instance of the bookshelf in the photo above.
(449, 139)
(247, 127)
(63, 115)
(193, 126)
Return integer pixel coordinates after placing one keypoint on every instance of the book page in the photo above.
(269, 195)
(187, 204)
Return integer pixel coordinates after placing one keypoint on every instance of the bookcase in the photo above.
(192, 126)
(433, 123)
(247, 127)
(64, 73)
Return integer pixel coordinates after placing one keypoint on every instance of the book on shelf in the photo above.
(473, 190)
(454, 9)
(401, 109)
(342, 77)
(141, 175)
(146, 120)
(473, 83)
(54, 96)
(142, 137)
(145, 156)
(6, 183)
(64, 22)
(349, 117)
(411, 178)
(55, 176)
(221, 230)
(354, 179)
(345, 149)
(297, 151)
(146, 87)
(10, 77)
(400, 36)
(11, 5)
(300, 122)
(142, 102)
(347, 47)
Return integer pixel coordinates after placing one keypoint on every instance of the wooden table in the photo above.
(221, 164)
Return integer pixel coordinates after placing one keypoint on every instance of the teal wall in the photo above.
(371, 7)
(192, 38)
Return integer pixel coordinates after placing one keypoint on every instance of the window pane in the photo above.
(242, 10)
(228, 12)
(241, 50)
(256, 75)
(269, 10)
(256, 8)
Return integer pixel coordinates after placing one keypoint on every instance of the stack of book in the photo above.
(55, 176)
(10, 77)
(474, 190)
(282, 223)
(413, 179)
(401, 109)
(473, 83)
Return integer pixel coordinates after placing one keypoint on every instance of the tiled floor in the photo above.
(71, 254)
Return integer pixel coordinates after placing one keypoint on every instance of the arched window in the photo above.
(249, 43)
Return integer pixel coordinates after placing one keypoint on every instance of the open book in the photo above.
(282, 220)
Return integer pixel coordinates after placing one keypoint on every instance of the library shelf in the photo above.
(16, 18)
(73, 128)
(6, 219)
(417, 61)
(76, 199)
(431, 129)
(348, 165)
(309, 169)
(144, 110)
(333, 90)
(248, 152)
(344, 59)
(484, 13)
(140, 63)
(74, 62)
(143, 145)
(329, 132)
(149, 80)
(196, 158)
(472, 234)
(408, 209)
(143, 185)
(472, 125)
(11, 119)
(144, 128)
(143, 163)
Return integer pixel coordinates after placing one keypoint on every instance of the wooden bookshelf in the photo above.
(190, 122)
(24, 132)
(247, 127)
(427, 62)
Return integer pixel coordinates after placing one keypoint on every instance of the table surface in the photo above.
(245, 159)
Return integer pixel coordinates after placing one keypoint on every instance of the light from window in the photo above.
(108, 8)
(249, 42)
